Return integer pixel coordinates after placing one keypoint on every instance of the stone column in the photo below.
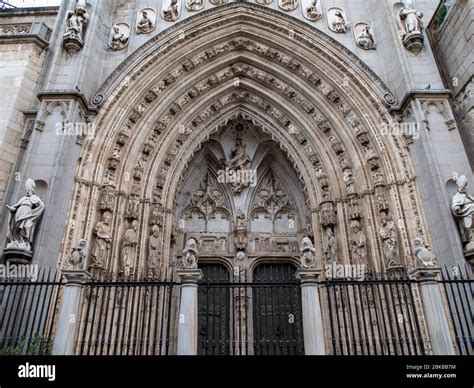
(68, 322)
(312, 319)
(188, 312)
(434, 311)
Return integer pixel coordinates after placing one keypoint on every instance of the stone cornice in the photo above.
(36, 32)
(416, 94)
(68, 95)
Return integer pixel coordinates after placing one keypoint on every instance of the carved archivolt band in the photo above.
(325, 114)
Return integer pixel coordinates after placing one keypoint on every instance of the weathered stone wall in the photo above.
(453, 44)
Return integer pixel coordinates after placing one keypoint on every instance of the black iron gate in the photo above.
(277, 312)
(262, 317)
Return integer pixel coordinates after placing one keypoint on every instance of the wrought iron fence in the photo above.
(459, 289)
(130, 317)
(371, 317)
(28, 311)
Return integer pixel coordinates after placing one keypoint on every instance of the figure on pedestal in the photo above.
(23, 222)
(413, 38)
(103, 241)
(424, 258)
(73, 39)
(129, 247)
(462, 207)
(308, 257)
(190, 253)
(388, 235)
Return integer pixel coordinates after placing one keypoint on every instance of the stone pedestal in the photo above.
(414, 42)
(434, 311)
(68, 321)
(188, 312)
(312, 319)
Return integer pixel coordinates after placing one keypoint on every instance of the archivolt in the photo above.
(317, 100)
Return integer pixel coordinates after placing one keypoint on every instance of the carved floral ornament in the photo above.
(161, 176)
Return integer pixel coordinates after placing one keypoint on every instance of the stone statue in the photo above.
(365, 39)
(423, 255)
(239, 161)
(308, 257)
(129, 245)
(412, 19)
(358, 243)
(103, 241)
(388, 235)
(172, 12)
(462, 207)
(145, 25)
(331, 247)
(190, 253)
(313, 11)
(133, 207)
(241, 238)
(23, 220)
(288, 5)
(76, 20)
(154, 251)
(107, 197)
(77, 256)
(339, 23)
(194, 5)
(119, 39)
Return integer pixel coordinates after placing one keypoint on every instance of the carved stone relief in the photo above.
(119, 36)
(146, 21)
(337, 20)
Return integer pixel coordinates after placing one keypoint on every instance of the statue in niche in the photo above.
(331, 247)
(412, 19)
(194, 5)
(288, 5)
(145, 24)
(103, 241)
(308, 257)
(190, 254)
(241, 238)
(462, 207)
(388, 235)
(338, 22)
(107, 197)
(129, 246)
(133, 207)
(365, 39)
(313, 11)
(119, 36)
(77, 256)
(358, 243)
(239, 166)
(424, 258)
(75, 22)
(172, 12)
(154, 251)
(23, 220)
